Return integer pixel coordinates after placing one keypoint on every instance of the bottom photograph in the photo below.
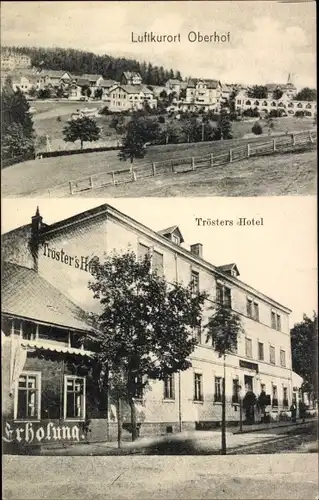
(159, 326)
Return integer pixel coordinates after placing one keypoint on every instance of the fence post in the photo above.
(193, 163)
(310, 137)
(91, 181)
(172, 165)
(211, 159)
(133, 176)
(154, 168)
(274, 144)
(293, 137)
(113, 178)
(71, 187)
(230, 155)
(248, 150)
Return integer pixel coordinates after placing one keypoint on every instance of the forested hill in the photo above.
(80, 62)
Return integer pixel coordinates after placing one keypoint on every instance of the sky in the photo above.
(268, 39)
(279, 258)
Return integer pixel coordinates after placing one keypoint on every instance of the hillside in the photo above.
(80, 62)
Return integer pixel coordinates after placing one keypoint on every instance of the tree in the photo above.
(304, 350)
(277, 94)
(224, 126)
(258, 92)
(145, 329)
(82, 129)
(118, 123)
(138, 132)
(44, 93)
(163, 94)
(223, 329)
(306, 94)
(98, 93)
(17, 130)
(86, 91)
(257, 129)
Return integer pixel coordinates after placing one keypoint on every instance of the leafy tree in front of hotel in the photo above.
(83, 129)
(223, 330)
(304, 350)
(145, 328)
(139, 131)
(224, 126)
(258, 92)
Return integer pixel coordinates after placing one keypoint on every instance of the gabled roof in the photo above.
(229, 269)
(91, 77)
(211, 84)
(107, 83)
(170, 230)
(131, 74)
(135, 89)
(82, 81)
(17, 75)
(28, 295)
(53, 73)
(173, 81)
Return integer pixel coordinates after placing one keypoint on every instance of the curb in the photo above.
(248, 431)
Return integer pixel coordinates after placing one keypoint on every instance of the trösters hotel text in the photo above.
(192, 37)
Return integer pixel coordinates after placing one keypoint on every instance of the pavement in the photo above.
(284, 476)
(294, 437)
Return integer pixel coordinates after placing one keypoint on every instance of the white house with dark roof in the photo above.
(202, 95)
(46, 306)
(130, 97)
(131, 78)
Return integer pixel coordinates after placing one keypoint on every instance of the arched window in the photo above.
(265, 103)
(308, 106)
(256, 103)
(291, 105)
(299, 105)
(248, 103)
(274, 104)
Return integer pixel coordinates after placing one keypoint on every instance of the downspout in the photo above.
(180, 420)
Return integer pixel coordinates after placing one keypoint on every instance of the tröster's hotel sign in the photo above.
(191, 37)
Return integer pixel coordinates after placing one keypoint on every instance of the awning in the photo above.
(38, 344)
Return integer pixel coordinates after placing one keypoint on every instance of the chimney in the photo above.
(197, 249)
(36, 224)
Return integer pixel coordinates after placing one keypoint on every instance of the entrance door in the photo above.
(248, 382)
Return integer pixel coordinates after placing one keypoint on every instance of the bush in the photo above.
(161, 119)
(257, 129)
(299, 114)
(105, 111)
(252, 113)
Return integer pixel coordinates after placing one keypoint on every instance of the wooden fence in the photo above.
(272, 145)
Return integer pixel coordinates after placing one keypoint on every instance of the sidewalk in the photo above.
(271, 425)
(184, 443)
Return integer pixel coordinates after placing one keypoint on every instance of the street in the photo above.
(277, 464)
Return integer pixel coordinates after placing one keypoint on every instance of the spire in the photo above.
(289, 78)
(37, 212)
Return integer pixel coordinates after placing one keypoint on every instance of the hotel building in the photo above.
(48, 386)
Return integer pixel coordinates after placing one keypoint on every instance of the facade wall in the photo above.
(289, 106)
(63, 260)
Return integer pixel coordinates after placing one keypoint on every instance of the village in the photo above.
(130, 93)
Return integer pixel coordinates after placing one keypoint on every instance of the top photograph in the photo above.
(164, 99)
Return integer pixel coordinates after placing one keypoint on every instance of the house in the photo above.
(202, 95)
(285, 104)
(130, 97)
(131, 78)
(106, 86)
(287, 88)
(48, 389)
(174, 85)
(53, 78)
(25, 80)
(11, 60)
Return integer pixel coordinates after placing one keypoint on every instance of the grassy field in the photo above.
(37, 176)
(46, 123)
(287, 174)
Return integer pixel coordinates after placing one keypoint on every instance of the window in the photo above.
(74, 397)
(274, 396)
(285, 397)
(29, 331)
(235, 396)
(272, 355)
(169, 387)
(273, 320)
(28, 400)
(175, 239)
(198, 389)
(256, 311)
(223, 295)
(218, 389)
(249, 348)
(261, 351)
(158, 263)
(198, 334)
(278, 322)
(142, 251)
(282, 358)
(262, 387)
(249, 307)
(195, 281)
